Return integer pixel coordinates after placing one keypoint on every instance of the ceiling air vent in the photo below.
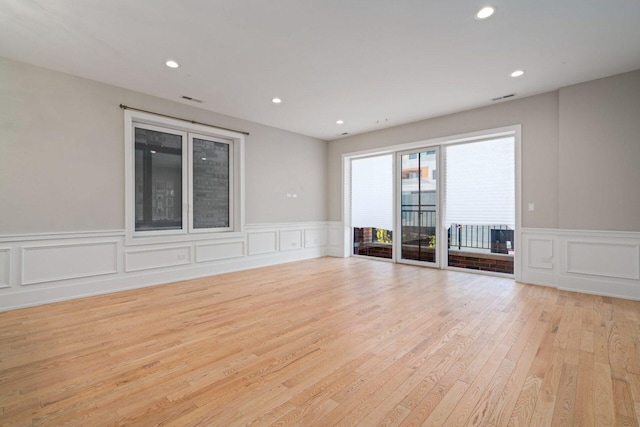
(500, 98)
(188, 98)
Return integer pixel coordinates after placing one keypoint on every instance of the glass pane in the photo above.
(372, 206)
(210, 184)
(418, 206)
(480, 205)
(158, 180)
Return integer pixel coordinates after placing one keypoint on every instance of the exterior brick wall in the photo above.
(482, 262)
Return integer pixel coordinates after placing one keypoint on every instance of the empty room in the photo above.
(319, 213)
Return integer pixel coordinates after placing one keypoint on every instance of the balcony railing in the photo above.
(412, 217)
(418, 225)
(497, 238)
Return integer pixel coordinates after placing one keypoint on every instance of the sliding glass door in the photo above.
(451, 205)
(418, 206)
(479, 205)
(372, 206)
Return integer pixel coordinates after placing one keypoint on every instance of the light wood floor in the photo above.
(325, 342)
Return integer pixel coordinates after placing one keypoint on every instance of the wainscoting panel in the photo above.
(218, 251)
(152, 258)
(604, 258)
(315, 237)
(596, 262)
(5, 267)
(334, 239)
(263, 242)
(37, 269)
(49, 263)
(41, 268)
(290, 240)
(540, 253)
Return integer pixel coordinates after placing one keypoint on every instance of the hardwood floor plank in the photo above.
(327, 341)
(584, 412)
(604, 406)
(508, 398)
(565, 402)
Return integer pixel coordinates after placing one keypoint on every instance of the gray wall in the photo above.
(600, 154)
(62, 156)
(538, 116)
(580, 152)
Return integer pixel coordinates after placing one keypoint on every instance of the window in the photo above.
(211, 172)
(158, 178)
(182, 178)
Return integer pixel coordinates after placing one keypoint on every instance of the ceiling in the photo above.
(371, 63)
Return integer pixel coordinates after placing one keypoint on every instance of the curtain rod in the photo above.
(124, 107)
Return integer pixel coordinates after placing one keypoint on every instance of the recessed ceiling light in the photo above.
(339, 122)
(517, 73)
(153, 151)
(204, 158)
(485, 12)
(276, 100)
(172, 64)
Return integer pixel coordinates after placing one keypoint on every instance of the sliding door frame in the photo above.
(397, 242)
(514, 130)
(394, 201)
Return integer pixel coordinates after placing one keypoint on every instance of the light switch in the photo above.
(532, 207)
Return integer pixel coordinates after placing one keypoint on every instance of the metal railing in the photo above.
(474, 236)
(419, 223)
(412, 216)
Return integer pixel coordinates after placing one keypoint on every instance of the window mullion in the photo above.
(190, 181)
(147, 173)
(186, 184)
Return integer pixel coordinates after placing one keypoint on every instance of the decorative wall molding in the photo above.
(335, 235)
(591, 261)
(218, 251)
(51, 263)
(5, 267)
(41, 268)
(45, 268)
(290, 240)
(603, 258)
(154, 258)
(540, 251)
(60, 236)
(262, 242)
(315, 237)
